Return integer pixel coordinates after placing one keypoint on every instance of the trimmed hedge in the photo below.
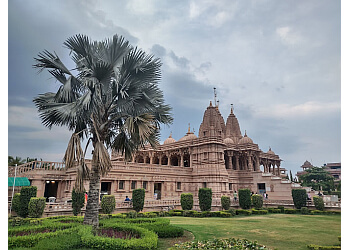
(108, 204)
(318, 202)
(187, 201)
(205, 199)
(78, 200)
(147, 240)
(243, 211)
(259, 211)
(290, 211)
(325, 212)
(25, 195)
(274, 210)
(165, 231)
(138, 199)
(225, 202)
(282, 208)
(257, 201)
(304, 210)
(36, 207)
(245, 201)
(299, 198)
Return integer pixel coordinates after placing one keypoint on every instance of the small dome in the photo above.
(169, 140)
(245, 139)
(188, 136)
(228, 141)
(270, 152)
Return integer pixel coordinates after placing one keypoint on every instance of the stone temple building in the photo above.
(220, 158)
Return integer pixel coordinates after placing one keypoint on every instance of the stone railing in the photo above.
(35, 165)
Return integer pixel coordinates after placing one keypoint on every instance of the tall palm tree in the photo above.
(111, 98)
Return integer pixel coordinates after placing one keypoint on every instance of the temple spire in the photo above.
(231, 108)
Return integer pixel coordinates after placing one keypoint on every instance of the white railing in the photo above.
(36, 165)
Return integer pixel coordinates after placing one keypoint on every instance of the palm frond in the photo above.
(47, 60)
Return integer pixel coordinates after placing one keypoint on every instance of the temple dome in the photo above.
(169, 140)
(270, 152)
(245, 139)
(228, 141)
(189, 135)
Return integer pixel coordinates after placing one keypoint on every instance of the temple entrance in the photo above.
(261, 188)
(157, 190)
(105, 189)
(50, 190)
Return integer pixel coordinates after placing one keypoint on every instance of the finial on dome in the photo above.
(231, 108)
(171, 133)
(217, 104)
(245, 133)
(210, 105)
(189, 128)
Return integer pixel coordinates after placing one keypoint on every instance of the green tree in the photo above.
(78, 200)
(111, 98)
(138, 199)
(316, 178)
(205, 199)
(17, 160)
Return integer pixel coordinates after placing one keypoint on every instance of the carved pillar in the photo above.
(181, 159)
(278, 168)
(150, 158)
(237, 162)
(250, 164)
(168, 155)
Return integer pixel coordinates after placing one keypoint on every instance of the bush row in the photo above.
(230, 243)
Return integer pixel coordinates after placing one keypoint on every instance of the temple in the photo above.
(220, 158)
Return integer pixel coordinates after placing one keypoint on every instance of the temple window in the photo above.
(144, 185)
(178, 185)
(133, 184)
(121, 184)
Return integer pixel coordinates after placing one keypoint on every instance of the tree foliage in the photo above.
(78, 200)
(316, 178)
(111, 98)
(245, 201)
(299, 198)
(12, 161)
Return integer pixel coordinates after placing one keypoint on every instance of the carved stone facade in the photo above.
(220, 158)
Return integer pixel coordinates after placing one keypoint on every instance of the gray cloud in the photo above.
(278, 62)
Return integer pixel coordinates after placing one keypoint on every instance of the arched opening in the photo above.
(148, 160)
(174, 160)
(139, 159)
(227, 159)
(164, 160)
(186, 160)
(155, 160)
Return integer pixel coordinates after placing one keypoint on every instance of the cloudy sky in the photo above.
(277, 62)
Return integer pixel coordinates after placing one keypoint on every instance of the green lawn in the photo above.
(277, 231)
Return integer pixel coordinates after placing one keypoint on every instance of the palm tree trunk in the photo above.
(92, 206)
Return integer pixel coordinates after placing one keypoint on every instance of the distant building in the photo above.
(333, 168)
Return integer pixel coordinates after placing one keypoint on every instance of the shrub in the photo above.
(317, 247)
(290, 211)
(318, 202)
(231, 211)
(131, 214)
(187, 201)
(16, 201)
(230, 243)
(274, 210)
(36, 207)
(244, 198)
(108, 204)
(78, 200)
(304, 210)
(63, 241)
(259, 211)
(225, 202)
(205, 199)
(257, 201)
(147, 240)
(25, 195)
(220, 214)
(165, 231)
(138, 199)
(243, 211)
(299, 198)
(281, 208)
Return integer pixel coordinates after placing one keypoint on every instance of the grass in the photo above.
(277, 231)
